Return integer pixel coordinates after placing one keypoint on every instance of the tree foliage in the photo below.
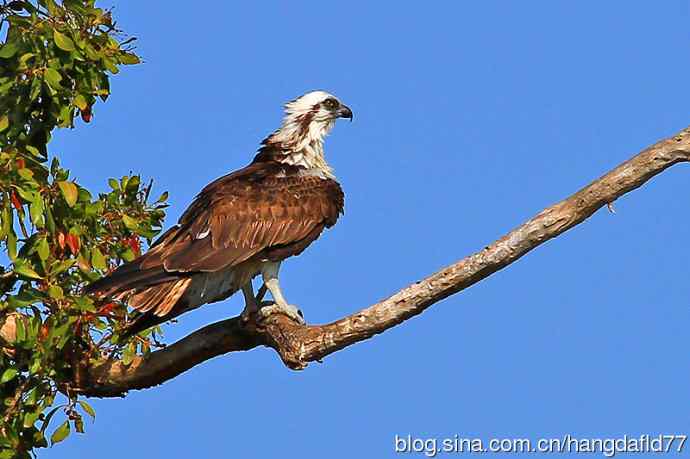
(56, 59)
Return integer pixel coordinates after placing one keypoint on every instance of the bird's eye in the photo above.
(330, 103)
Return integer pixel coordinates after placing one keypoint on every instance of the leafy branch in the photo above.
(56, 62)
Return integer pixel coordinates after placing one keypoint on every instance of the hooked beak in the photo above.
(344, 112)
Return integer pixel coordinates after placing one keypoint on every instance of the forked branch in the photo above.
(298, 345)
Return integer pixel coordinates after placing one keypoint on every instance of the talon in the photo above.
(289, 310)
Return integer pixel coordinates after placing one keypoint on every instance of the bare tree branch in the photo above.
(297, 345)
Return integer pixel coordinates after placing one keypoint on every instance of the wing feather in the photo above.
(249, 213)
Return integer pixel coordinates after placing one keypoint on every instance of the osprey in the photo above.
(241, 225)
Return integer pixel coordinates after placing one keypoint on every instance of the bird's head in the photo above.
(309, 118)
(299, 140)
(317, 107)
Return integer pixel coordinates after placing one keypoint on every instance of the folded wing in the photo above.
(261, 212)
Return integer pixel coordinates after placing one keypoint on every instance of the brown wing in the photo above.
(266, 210)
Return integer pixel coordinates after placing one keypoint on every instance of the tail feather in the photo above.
(159, 299)
(141, 323)
(157, 304)
(128, 277)
(146, 287)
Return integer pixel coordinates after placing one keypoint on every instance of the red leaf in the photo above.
(61, 240)
(15, 201)
(43, 332)
(86, 115)
(73, 243)
(105, 310)
(133, 243)
(20, 163)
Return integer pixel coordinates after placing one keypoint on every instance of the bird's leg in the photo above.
(251, 303)
(269, 272)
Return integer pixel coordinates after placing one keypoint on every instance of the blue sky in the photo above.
(470, 117)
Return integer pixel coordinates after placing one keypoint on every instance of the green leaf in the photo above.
(35, 366)
(4, 122)
(128, 255)
(25, 57)
(60, 433)
(129, 58)
(54, 166)
(5, 87)
(69, 191)
(28, 196)
(133, 183)
(84, 195)
(110, 65)
(91, 53)
(50, 221)
(30, 419)
(128, 354)
(33, 150)
(26, 173)
(66, 116)
(36, 85)
(6, 219)
(20, 330)
(129, 222)
(42, 249)
(7, 375)
(12, 245)
(79, 424)
(63, 41)
(36, 211)
(25, 270)
(80, 102)
(84, 303)
(62, 266)
(52, 7)
(97, 259)
(92, 209)
(53, 78)
(8, 50)
(114, 184)
(87, 408)
(55, 292)
(32, 398)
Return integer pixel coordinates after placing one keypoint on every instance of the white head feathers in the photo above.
(308, 120)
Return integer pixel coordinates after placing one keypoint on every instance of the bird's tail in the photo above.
(156, 304)
(152, 291)
(138, 325)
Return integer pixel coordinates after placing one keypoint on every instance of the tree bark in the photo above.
(298, 345)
